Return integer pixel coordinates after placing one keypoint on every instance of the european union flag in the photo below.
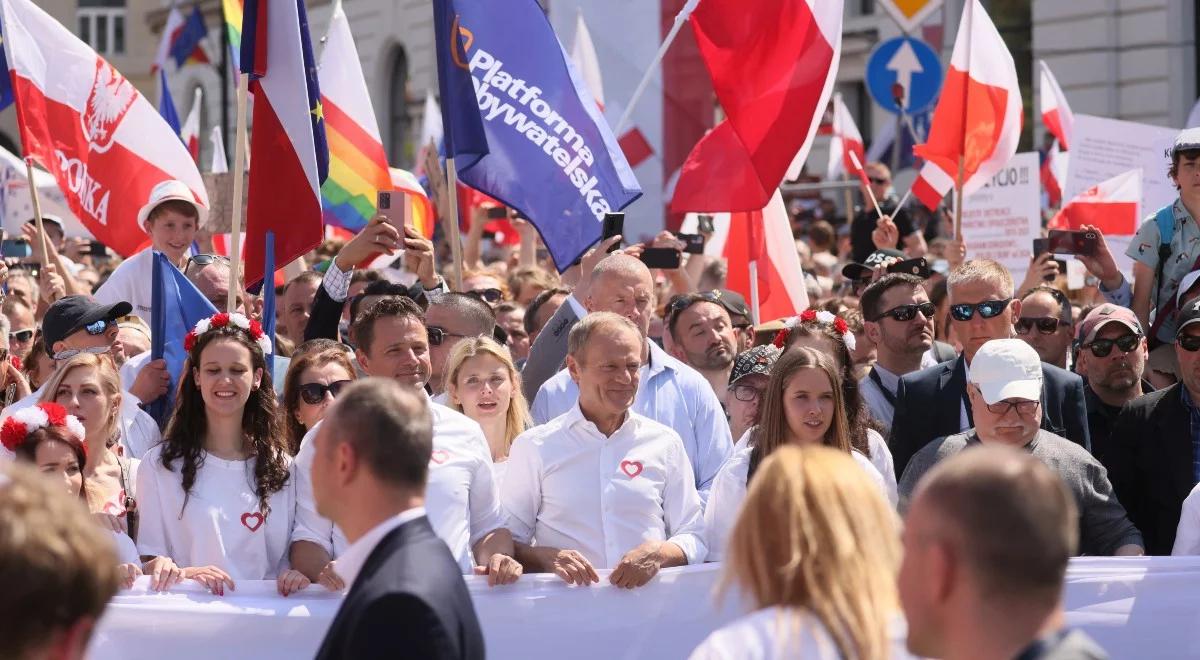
(177, 307)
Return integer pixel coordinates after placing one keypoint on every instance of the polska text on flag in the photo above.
(544, 149)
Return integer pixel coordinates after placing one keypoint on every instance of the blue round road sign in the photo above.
(907, 68)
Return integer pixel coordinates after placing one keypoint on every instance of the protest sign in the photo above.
(1001, 220)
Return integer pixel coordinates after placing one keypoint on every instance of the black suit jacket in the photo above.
(1149, 461)
(928, 406)
(409, 601)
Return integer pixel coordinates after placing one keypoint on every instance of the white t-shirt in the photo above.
(131, 282)
(126, 551)
(221, 524)
(782, 632)
(1187, 535)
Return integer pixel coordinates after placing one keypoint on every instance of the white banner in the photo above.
(1134, 607)
(1001, 220)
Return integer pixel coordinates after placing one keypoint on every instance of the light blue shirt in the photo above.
(671, 393)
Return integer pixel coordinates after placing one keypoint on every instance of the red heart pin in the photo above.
(253, 521)
(440, 456)
(631, 468)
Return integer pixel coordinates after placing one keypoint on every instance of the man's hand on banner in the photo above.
(1102, 265)
(291, 581)
(330, 579)
(638, 566)
(501, 569)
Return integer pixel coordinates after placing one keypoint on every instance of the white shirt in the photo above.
(729, 491)
(1187, 535)
(568, 486)
(461, 497)
(139, 431)
(881, 458)
(351, 562)
(126, 551)
(671, 393)
(782, 632)
(131, 282)
(221, 524)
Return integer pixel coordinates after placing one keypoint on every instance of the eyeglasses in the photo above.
(202, 260)
(438, 335)
(72, 352)
(96, 328)
(746, 392)
(683, 301)
(20, 335)
(490, 296)
(314, 393)
(877, 181)
(1023, 406)
(1102, 347)
(905, 313)
(1189, 343)
(1045, 325)
(987, 309)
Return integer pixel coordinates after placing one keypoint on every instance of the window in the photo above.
(399, 120)
(102, 25)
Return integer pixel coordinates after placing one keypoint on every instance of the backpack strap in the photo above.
(1165, 219)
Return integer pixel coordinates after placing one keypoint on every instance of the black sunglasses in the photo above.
(490, 296)
(438, 335)
(905, 313)
(314, 393)
(202, 260)
(1189, 343)
(20, 335)
(1045, 325)
(1102, 347)
(987, 309)
(683, 301)
(878, 181)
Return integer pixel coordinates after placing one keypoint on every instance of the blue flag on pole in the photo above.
(6, 94)
(177, 307)
(268, 312)
(166, 105)
(544, 148)
(190, 35)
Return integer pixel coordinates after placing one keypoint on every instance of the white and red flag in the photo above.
(1111, 206)
(583, 56)
(105, 144)
(846, 140)
(1056, 114)
(977, 122)
(190, 131)
(1054, 175)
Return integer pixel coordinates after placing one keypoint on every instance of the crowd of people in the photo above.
(609, 422)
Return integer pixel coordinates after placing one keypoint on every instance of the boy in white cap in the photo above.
(171, 218)
(1005, 388)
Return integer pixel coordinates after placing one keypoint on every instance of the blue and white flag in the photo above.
(545, 149)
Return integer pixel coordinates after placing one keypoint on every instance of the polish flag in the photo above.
(1056, 114)
(190, 132)
(105, 144)
(1053, 174)
(1112, 206)
(846, 140)
(773, 65)
(977, 121)
(583, 56)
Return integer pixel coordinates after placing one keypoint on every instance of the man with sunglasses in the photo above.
(898, 318)
(1112, 360)
(933, 402)
(1153, 455)
(22, 326)
(1005, 390)
(906, 235)
(1045, 324)
(451, 318)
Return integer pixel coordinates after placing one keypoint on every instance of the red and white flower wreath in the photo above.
(20, 424)
(251, 326)
(813, 316)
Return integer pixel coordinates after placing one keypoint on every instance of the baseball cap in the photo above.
(166, 191)
(757, 360)
(71, 314)
(733, 302)
(48, 219)
(1189, 314)
(1186, 283)
(1007, 369)
(1187, 140)
(855, 271)
(1105, 314)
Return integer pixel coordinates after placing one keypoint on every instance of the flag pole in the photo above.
(37, 210)
(680, 19)
(870, 193)
(452, 224)
(848, 199)
(754, 291)
(958, 200)
(239, 178)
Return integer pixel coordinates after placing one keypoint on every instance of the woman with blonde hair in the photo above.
(803, 405)
(483, 384)
(815, 552)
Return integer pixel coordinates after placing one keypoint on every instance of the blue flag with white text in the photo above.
(176, 307)
(545, 149)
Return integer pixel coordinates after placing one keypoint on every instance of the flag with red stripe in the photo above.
(1056, 114)
(1112, 206)
(846, 140)
(190, 132)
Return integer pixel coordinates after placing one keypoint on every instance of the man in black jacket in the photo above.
(407, 598)
(932, 403)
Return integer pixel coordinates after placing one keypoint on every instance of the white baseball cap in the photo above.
(1007, 369)
(169, 190)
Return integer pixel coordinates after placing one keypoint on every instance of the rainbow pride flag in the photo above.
(420, 212)
(232, 10)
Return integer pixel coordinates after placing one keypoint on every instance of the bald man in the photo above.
(669, 391)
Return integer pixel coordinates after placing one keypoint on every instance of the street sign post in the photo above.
(907, 69)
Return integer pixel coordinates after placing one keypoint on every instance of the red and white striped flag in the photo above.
(846, 140)
(583, 56)
(1056, 114)
(105, 144)
(977, 121)
(1111, 206)
(190, 131)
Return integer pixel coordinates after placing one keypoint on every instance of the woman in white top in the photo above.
(483, 383)
(45, 436)
(814, 552)
(803, 406)
(217, 495)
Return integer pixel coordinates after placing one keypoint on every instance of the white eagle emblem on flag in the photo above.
(111, 97)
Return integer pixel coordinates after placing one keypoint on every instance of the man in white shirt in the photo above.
(601, 486)
(898, 318)
(461, 496)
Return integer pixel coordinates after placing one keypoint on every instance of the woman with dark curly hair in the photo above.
(217, 495)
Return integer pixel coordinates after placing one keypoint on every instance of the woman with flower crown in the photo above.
(217, 495)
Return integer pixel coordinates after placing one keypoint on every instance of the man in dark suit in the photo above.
(932, 403)
(1151, 457)
(407, 598)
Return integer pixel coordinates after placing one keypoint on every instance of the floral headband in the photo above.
(221, 320)
(813, 316)
(18, 427)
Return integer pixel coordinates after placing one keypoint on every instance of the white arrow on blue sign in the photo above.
(908, 66)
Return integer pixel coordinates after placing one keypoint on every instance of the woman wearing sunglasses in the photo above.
(312, 382)
(483, 384)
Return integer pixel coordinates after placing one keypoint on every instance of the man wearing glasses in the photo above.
(1112, 360)
(747, 383)
(898, 318)
(1006, 394)
(1045, 324)
(933, 403)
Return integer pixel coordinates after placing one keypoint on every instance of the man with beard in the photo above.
(1045, 324)
(898, 318)
(703, 337)
(1112, 359)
